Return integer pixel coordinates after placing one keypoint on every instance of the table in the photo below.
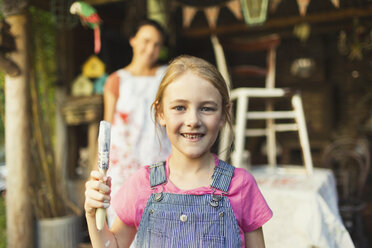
(305, 208)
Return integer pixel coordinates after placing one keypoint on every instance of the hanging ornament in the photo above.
(302, 5)
(188, 15)
(99, 84)
(336, 3)
(342, 43)
(302, 31)
(235, 8)
(93, 67)
(212, 13)
(355, 51)
(89, 17)
(355, 42)
(82, 86)
(254, 11)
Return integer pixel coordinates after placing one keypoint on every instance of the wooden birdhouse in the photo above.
(93, 67)
(99, 84)
(82, 86)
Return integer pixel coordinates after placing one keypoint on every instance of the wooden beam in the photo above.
(281, 22)
(45, 4)
(19, 217)
(100, 2)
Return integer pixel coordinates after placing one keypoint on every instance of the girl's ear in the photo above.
(161, 119)
(160, 114)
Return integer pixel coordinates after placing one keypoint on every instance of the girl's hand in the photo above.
(97, 192)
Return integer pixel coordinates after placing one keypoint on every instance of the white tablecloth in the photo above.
(305, 209)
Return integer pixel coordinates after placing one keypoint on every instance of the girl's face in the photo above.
(192, 115)
(146, 44)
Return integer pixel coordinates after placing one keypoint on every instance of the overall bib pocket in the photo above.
(212, 241)
(156, 239)
(206, 228)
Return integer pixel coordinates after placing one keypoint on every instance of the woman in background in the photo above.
(128, 96)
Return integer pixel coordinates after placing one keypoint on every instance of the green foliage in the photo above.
(43, 62)
(47, 194)
(44, 47)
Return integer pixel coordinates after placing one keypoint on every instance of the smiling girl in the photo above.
(192, 199)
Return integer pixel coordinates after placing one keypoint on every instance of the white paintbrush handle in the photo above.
(100, 218)
(100, 212)
(103, 163)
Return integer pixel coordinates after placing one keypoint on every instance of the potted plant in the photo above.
(58, 220)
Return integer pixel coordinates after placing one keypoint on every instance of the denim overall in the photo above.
(190, 221)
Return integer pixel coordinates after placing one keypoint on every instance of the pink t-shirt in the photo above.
(250, 208)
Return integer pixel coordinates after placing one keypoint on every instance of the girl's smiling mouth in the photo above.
(192, 136)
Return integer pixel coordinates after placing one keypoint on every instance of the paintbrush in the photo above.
(103, 163)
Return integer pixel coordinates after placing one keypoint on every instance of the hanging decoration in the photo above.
(210, 10)
(336, 3)
(82, 86)
(274, 4)
(234, 7)
(99, 84)
(212, 14)
(156, 10)
(355, 42)
(302, 6)
(302, 31)
(188, 15)
(89, 17)
(254, 11)
(93, 67)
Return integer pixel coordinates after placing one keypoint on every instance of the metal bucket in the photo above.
(59, 232)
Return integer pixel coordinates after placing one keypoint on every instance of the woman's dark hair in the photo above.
(152, 23)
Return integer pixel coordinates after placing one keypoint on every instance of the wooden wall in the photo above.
(332, 95)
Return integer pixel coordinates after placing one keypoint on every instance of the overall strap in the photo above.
(222, 176)
(157, 174)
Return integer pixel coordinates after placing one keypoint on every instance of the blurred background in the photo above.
(323, 50)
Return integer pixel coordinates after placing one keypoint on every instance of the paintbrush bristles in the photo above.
(104, 136)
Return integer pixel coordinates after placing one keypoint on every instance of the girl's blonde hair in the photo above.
(201, 68)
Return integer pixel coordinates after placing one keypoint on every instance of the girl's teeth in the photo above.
(192, 136)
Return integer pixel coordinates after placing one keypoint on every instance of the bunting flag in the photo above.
(235, 7)
(188, 15)
(336, 3)
(212, 13)
(274, 4)
(302, 5)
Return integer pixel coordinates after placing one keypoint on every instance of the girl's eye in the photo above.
(207, 109)
(179, 108)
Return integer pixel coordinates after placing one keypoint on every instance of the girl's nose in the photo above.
(193, 119)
